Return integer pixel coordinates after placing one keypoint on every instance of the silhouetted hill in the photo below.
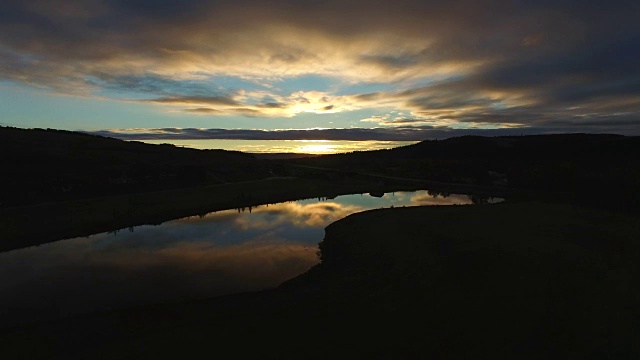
(52, 165)
(41, 165)
(572, 164)
(572, 146)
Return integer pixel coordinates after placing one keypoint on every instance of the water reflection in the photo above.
(202, 256)
(298, 214)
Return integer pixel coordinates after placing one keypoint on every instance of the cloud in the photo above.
(361, 41)
(189, 100)
(458, 64)
(260, 103)
(203, 111)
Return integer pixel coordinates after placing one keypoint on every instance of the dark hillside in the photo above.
(49, 165)
(574, 165)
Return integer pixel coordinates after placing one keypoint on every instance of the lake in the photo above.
(218, 253)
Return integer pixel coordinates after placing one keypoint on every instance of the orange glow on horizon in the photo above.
(316, 147)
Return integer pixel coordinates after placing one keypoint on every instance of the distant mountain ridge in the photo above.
(48, 165)
(41, 165)
(584, 164)
(530, 145)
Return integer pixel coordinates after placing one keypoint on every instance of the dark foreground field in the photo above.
(516, 281)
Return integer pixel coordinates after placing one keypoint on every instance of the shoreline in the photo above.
(39, 224)
(34, 225)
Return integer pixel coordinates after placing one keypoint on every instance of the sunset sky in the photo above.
(347, 70)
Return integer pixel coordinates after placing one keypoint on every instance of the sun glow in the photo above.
(318, 147)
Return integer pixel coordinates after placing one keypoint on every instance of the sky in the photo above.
(402, 70)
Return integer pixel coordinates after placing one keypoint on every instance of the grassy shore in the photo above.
(511, 280)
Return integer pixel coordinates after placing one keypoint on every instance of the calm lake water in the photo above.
(220, 253)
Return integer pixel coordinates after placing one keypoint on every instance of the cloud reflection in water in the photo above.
(220, 253)
(426, 199)
(296, 214)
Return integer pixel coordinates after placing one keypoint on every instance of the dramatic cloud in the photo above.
(472, 65)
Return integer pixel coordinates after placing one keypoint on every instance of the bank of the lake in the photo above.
(220, 253)
(511, 280)
(39, 224)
